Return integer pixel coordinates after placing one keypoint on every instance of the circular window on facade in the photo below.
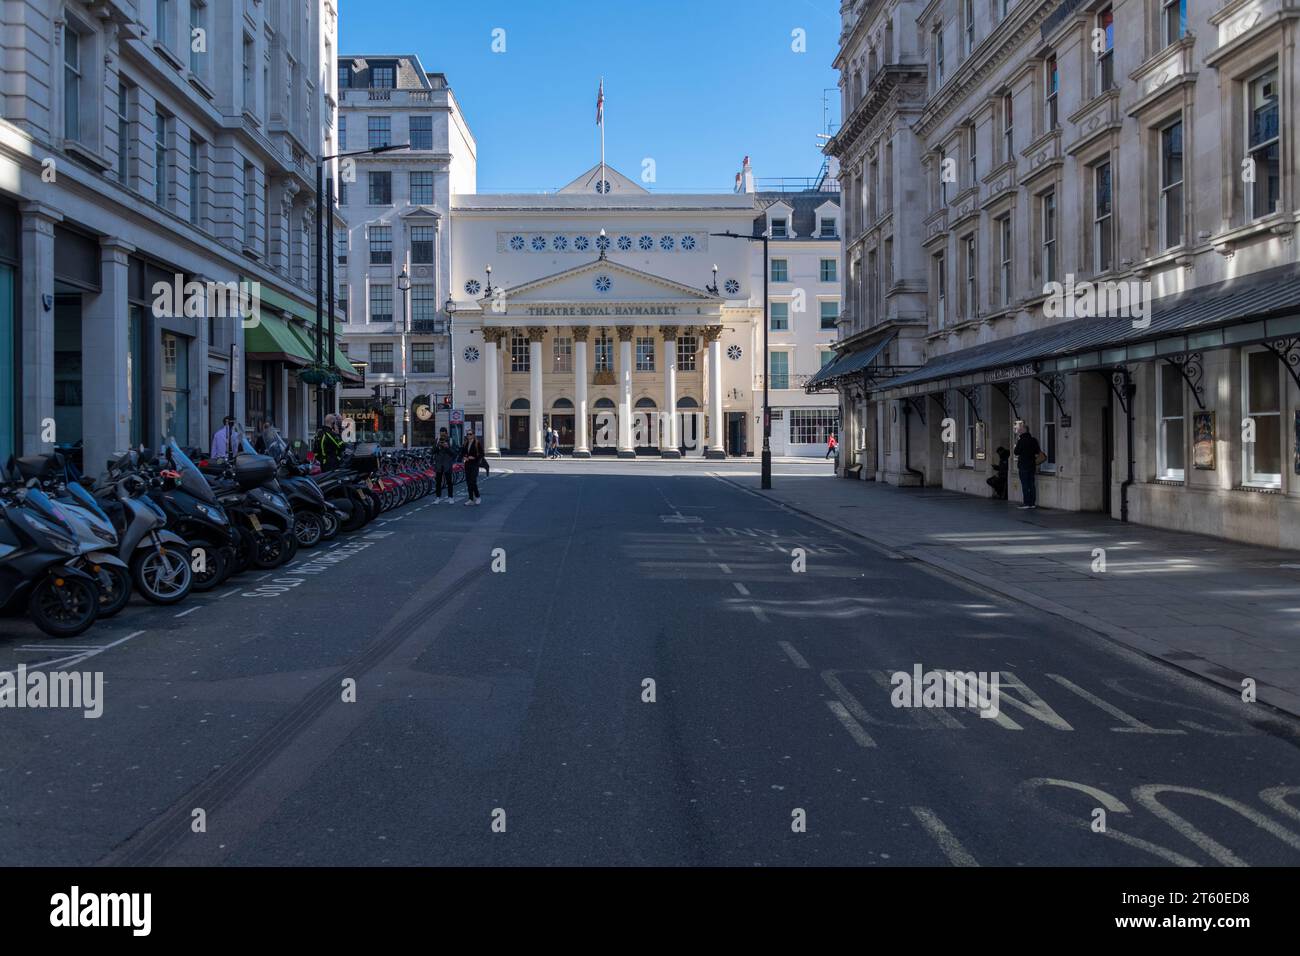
(624, 243)
(603, 283)
(539, 243)
(734, 352)
(666, 243)
(581, 243)
(471, 353)
(517, 243)
(602, 243)
(472, 287)
(688, 243)
(560, 243)
(732, 286)
(646, 243)
(602, 186)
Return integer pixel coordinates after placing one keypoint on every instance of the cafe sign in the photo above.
(1027, 370)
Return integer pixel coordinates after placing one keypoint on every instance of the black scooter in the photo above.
(194, 513)
(36, 546)
(246, 488)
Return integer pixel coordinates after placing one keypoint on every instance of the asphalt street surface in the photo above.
(647, 678)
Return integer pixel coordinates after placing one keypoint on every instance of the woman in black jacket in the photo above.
(473, 457)
(444, 456)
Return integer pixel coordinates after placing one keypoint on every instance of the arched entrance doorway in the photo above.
(518, 427)
(645, 426)
(562, 421)
(604, 427)
(690, 427)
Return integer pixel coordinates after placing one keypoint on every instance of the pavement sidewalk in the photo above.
(1220, 609)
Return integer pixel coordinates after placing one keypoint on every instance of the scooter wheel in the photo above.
(66, 609)
(162, 576)
(290, 547)
(330, 525)
(215, 565)
(308, 528)
(114, 586)
(268, 551)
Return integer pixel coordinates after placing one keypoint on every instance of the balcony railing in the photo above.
(385, 95)
(429, 326)
(790, 381)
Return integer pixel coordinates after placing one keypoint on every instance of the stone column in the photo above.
(535, 335)
(37, 319)
(717, 443)
(491, 398)
(669, 443)
(625, 448)
(106, 386)
(581, 446)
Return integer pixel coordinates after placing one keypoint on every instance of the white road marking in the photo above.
(78, 658)
(793, 654)
(725, 569)
(190, 611)
(854, 728)
(1146, 795)
(741, 588)
(1134, 725)
(956, 853)
(229, 594)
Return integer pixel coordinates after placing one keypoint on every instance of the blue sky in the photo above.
(693, 85)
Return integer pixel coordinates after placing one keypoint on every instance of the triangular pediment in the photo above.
(603, 280)
(618, 183)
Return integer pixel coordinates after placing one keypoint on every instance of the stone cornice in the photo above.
(987, 57)
(891, 80)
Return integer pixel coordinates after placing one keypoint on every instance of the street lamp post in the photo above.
(320, 254)
(766, 481)
(449, 307)
(404, 283)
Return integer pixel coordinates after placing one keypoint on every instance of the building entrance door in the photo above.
(518, 434)
(736, 444)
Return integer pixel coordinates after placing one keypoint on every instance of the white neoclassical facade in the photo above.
(597, 310)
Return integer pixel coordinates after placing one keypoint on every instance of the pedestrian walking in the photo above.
(831, 445)
(444, 457)
(554, 441)
(473, 457)
(1029, 455)
(998, 481)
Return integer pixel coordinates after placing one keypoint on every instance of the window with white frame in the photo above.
(381, 302)
(163, 22)
(344, 300)
(968, 15)
(1263, 144)
(343, 130)
(381, 245)
(1103, 228)
(687, 347)
(604, 353)
(1262, 405)
(381, 188)
(1004, 256)
(1171, 444)
(813, 426)
(519, 356)
(780, 370)
(421, 132)
(196, 180)
(937, 44)
(829, 270)
(967, 459)
(1047, 430)
(830, 313)
(645, 353)
(379, 131)
(424, 358)
(940, 292)
(1171, 185)
(780, 270)
(72, 83)
(970, 306)
(972, 156)
(424, 304)
(1173, 17)
(1051, 91)
(780, 316)
(161, 168)
(562, 353)
(779, 227)
(422, 187)
(381, 357)
(1008, 128)
(1105, 67)
(828, 227)
(250, 206)
(1047, 233)
(422, 245)
(383, 76)
(124, 131)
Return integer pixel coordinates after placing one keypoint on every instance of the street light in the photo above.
(766, 480)
(404, 284)
(449, 307)
(320, 256)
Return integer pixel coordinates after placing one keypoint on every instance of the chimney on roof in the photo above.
(745, 178)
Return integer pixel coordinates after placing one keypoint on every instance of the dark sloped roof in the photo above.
(1257, 295)
(850, 362)
(804, 217)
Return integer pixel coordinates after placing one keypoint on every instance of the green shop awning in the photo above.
(302, 337)
(271, 340)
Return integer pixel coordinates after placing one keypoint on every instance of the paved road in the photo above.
(517, 697)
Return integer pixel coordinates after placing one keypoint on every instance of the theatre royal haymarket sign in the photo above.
(599, 310)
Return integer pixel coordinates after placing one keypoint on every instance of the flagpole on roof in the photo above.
(600, 121)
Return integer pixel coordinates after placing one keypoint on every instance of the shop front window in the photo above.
(176, 387)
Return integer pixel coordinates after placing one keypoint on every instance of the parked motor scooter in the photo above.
(36, 546)
(246, 488)
(194, 513)
(314, 518)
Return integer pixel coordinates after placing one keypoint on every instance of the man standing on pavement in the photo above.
(1028, 457)
(223, 438)
(328, 443)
